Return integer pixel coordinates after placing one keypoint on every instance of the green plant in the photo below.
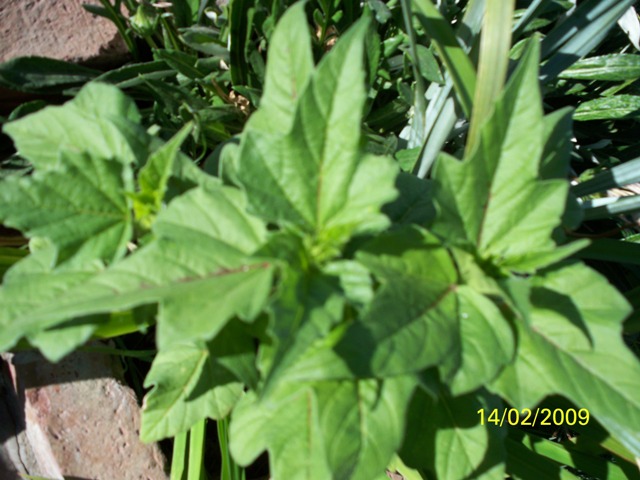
(337, 310)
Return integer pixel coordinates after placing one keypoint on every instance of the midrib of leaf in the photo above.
(327, 127)
(143, 294)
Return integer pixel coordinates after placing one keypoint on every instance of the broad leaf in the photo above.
(197, 268)
(80, 206)
(488, 342)
(336, 429)
(193, 381)
(315, 178)
(570, 348)
(307, 307)
(33, 282)
(446, 437)
(411, 323)
(493, 200)
(100, 120)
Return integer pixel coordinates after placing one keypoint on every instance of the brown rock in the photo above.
(59, 29)
(71, 419)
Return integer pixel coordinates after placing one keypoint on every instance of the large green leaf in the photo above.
(80, 206)
(334, 429)
(573, 346)
(100, 120)
(411, 323)
(446, 437)
(197, 268)
(193, 381)
(315, 178)
(493, 201)
(307, 307)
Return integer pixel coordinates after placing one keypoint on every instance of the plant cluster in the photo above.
(348, 252)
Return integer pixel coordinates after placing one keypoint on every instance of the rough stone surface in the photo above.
(59, 29)
(73, 420)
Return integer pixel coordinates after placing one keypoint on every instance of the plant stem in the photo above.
(178, 459)
(419, 101)
(230, 470)
(196, 450)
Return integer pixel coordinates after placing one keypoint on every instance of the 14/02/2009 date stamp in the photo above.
(536, 417)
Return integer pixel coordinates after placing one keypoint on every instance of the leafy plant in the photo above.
(321, 304)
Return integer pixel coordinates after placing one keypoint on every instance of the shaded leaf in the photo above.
(323, 430)
(569, 348)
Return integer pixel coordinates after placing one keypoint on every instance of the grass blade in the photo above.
(456, 60)
(179, 459)
(230, 470)
(612, 251)
(196, 450)
(607, 207)
(495, 44)
(582, 31)
(618, 176)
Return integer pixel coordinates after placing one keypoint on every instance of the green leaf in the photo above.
(412, 322)
(134, 74)
(445, 436)
(100, 120)
(453, 55)
(414, 205)
(565, 454)
(573, 339)
(290, 68)
(525, 464)
(579, 34)
(32, 282)
(206, 40)
(611, 250)
(609, 108)
(493, 200)
(558, 128)
(197, 268)
(337, 429)
(315, 178)
(153, 178)
(183, 63)
(493, 63)
(618, 176)
(193, 381)
(615, 67)
(307, 307)
(81, 206)
(483, 329)
(43, 75)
